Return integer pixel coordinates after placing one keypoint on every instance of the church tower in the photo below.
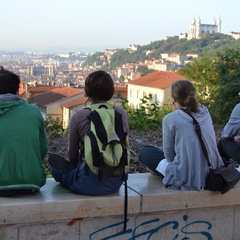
(198, 28)
(219, 25)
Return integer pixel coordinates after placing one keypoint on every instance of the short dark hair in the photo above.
(99, 86)
(9, 82)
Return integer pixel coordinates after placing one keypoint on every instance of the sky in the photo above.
(96, 25)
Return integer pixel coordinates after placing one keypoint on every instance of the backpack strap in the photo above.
(100, 129)
(97, 156)
(122, 136)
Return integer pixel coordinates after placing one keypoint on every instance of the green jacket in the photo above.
(23, 144)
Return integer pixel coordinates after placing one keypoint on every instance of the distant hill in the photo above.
(207, 43)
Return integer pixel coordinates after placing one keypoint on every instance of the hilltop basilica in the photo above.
(197, 28)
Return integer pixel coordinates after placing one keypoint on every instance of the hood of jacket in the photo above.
(200, 116)
(8, 102)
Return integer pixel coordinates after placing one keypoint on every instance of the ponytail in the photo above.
(184, 92)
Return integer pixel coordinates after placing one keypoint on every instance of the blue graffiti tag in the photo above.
(206, 234)
(152, 231)
(135, 234)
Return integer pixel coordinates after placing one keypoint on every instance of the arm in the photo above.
(74, 139)
(43, 139)
(233, 126)
(168, 142)
(124, 118)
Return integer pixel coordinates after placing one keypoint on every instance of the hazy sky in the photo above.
(100, 24)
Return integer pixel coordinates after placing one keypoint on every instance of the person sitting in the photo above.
(72, 174)
(182, 164)
(229, 145)
(23, 144)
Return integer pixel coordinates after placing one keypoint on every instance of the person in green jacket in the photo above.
(23, 143)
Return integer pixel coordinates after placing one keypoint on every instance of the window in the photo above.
(158, 98)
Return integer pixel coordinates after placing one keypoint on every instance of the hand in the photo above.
(237, 139)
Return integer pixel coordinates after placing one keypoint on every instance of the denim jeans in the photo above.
(150, 156)
(78, 181)
(229, 149)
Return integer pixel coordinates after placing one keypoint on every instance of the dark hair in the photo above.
(9, 82)
(99, 86)
(184, 92)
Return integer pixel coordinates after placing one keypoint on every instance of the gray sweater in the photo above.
(187, 169)
(233, 126)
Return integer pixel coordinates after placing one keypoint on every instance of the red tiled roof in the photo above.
(55, 95)
(122, 90)
(67, 91)
(40, 89)
(75, 103)
(157, 79)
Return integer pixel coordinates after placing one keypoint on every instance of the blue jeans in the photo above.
(229, 149)
(79, 182)
(150, 156)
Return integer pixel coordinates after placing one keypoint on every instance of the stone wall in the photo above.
(154, 213)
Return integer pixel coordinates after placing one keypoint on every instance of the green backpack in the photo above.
(106, 145)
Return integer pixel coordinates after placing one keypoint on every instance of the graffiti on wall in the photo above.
(152, 228)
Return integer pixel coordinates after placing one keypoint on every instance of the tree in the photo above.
(203, 74)
(228, 68)
(122, 77)
(144, 70)
(217, 81)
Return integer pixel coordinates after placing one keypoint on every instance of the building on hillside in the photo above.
(157, 83)
(177, 58)
(39, 89)
(70, 108)
(235, 35)
(50, 103)
(197, 28)
(192, 55)
(134, 75)
(122, 72)
(23, 89)
(119, 95)
(162, 66)
(134, 47)
(108, 53)
(40, 71)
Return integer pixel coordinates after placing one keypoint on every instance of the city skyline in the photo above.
(96, 25)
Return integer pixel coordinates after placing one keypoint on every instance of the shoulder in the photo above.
(120, 110)
(81, 114)
(237, 108)
(171, 116)
(31, 109)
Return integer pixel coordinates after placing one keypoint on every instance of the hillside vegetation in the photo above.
(207, 43)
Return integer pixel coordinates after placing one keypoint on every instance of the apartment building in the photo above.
(157, 83)
(50, 103)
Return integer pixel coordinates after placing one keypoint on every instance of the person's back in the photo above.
(75, 174)
(183, 149)
(23, 143)
(182, 163)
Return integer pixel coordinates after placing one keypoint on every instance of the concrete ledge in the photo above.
(155, 197)
(56, 213)
(54, 202)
